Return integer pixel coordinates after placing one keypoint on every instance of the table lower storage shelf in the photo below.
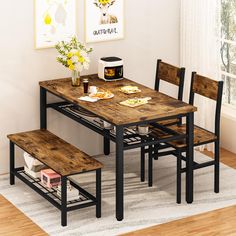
(131, 137)
(85, 199)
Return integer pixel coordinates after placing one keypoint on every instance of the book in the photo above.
(32, 173)
(72, 193)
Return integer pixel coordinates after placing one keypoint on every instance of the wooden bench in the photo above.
(64, 159)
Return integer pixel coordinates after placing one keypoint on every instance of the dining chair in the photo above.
(210, 89)
(174, 76)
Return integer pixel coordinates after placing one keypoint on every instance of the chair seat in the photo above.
(201, 136)
(168, 122)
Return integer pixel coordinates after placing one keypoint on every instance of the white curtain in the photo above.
(200, 50)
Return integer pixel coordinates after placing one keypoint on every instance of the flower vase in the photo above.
(75, 78)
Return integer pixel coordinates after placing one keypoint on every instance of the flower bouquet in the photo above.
(74, 55)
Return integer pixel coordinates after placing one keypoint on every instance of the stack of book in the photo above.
(33, 167)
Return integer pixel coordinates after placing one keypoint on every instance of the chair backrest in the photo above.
(211, 89)
(170, 74)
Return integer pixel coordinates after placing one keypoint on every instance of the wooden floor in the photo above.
(228, 158)
(14, 223)
(218, 222)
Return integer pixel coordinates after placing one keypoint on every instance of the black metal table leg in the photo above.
(63, 201)
(98, 193)
(119, 173)
(43, 108)
(150, 166)
(12, 163)
(189, 157)
(142, 164)
(106, 144)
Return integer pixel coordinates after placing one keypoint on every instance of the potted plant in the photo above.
(73, 55)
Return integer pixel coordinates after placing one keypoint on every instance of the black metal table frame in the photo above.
(120, 147)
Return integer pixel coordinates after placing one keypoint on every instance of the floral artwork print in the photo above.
(55, 20)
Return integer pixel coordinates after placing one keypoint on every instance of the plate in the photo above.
(130, 89)
(102, 95)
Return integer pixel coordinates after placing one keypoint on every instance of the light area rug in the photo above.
(144, 206)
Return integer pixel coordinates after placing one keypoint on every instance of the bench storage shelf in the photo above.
(64, 159)
(85, 199)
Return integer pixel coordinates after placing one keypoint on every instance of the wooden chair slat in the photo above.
(169, 73)
(200, 135)
(168, 122)
(205, 86)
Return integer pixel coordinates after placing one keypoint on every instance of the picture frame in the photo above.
(104, 20)
(55, 20)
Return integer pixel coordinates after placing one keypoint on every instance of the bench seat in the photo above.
(64, 158)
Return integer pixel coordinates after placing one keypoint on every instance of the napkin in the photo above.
(88, 99)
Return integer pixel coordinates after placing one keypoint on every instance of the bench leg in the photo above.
(63, 201)
(12, 163)
(98, 193)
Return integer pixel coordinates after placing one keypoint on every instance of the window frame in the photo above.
(228, 106)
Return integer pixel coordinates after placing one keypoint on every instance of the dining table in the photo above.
(159, 107)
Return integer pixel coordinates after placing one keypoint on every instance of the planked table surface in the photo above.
(161, 105)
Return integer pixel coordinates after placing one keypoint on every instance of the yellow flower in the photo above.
(72, 67)
(77, 54)
(70, 54)
(69, 62)
(81, 59)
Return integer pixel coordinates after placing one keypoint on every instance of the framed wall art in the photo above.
(55, 20)
(104, 20)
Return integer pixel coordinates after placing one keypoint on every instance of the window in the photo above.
(228, 51)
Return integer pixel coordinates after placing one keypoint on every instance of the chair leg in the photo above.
(156, 149)
(150, 167)
(217, 167)
(142, 164)
(178, 184)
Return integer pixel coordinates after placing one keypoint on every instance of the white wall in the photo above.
(152, 31)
